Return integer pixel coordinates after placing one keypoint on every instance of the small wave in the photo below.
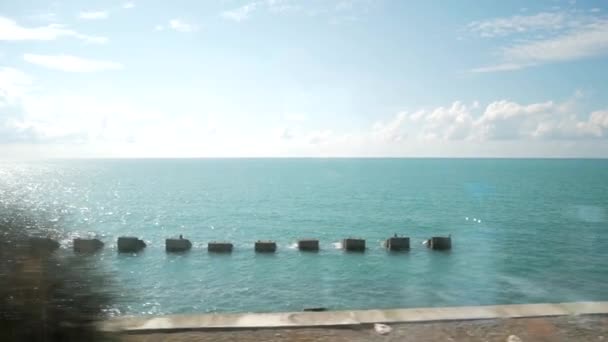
(337, 245)
(293, 246)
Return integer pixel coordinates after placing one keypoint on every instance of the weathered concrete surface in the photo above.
(265, 246)
(348, 318)
(219, 247)
(43, 245)
(353, 245)
(440, 243)
(129, 244)
(177, 245)
(87, 245)
(308, 245)
(397, 243)
(580, 328)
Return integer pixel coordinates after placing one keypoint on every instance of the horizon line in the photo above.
(307, 157)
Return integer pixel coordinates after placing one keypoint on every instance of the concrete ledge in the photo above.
(347, 318)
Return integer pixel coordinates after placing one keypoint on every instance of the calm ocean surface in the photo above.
(523, 231)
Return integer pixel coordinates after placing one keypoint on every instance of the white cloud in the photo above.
(569, 36)
(128, 5)
(11, 31)
(26, 117)
(520, 24)
(280, 6)
(14, 124)
(447, 123)
(241, 13)
(589, 41)
(391, 131)
(48, 17)
(13, 83)
(71, 63)
(502, 67)
(507, 120)
(181, 26)
(285, 134)
(177, 25)
(93, 15)
(500, 121)
(245, 11)
(319, 137)
(75, 124)
(110, 128)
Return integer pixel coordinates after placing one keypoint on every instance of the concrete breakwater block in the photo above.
(177, 245)
(87, 245)
(397, 243)
(129, 244)
(353, 245)
(219, 247)
(43, 245)
(440, 243)
(308, 245)
(265, 246)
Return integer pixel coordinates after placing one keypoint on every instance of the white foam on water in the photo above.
(293, 246)
(337, 245)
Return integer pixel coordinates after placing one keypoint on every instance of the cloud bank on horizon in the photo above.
(280, 78)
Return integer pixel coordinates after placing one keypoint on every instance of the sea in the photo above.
(523, 230)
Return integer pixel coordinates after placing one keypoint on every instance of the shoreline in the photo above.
(585, 328)
(347, 318)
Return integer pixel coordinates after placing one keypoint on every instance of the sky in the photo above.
(316, 78)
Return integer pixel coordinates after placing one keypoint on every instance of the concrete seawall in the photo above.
(219, 247)
(177, 245)
(347, 318)
(353, 245)
(397, 243)
(441, 243)
(130, 244)
(87, 245)
(308, 245)
(265, 247)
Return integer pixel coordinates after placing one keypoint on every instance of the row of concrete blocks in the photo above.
(134, 245)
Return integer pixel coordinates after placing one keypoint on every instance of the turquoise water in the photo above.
(523, 230)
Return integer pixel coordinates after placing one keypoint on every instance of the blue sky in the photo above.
(276, 78)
